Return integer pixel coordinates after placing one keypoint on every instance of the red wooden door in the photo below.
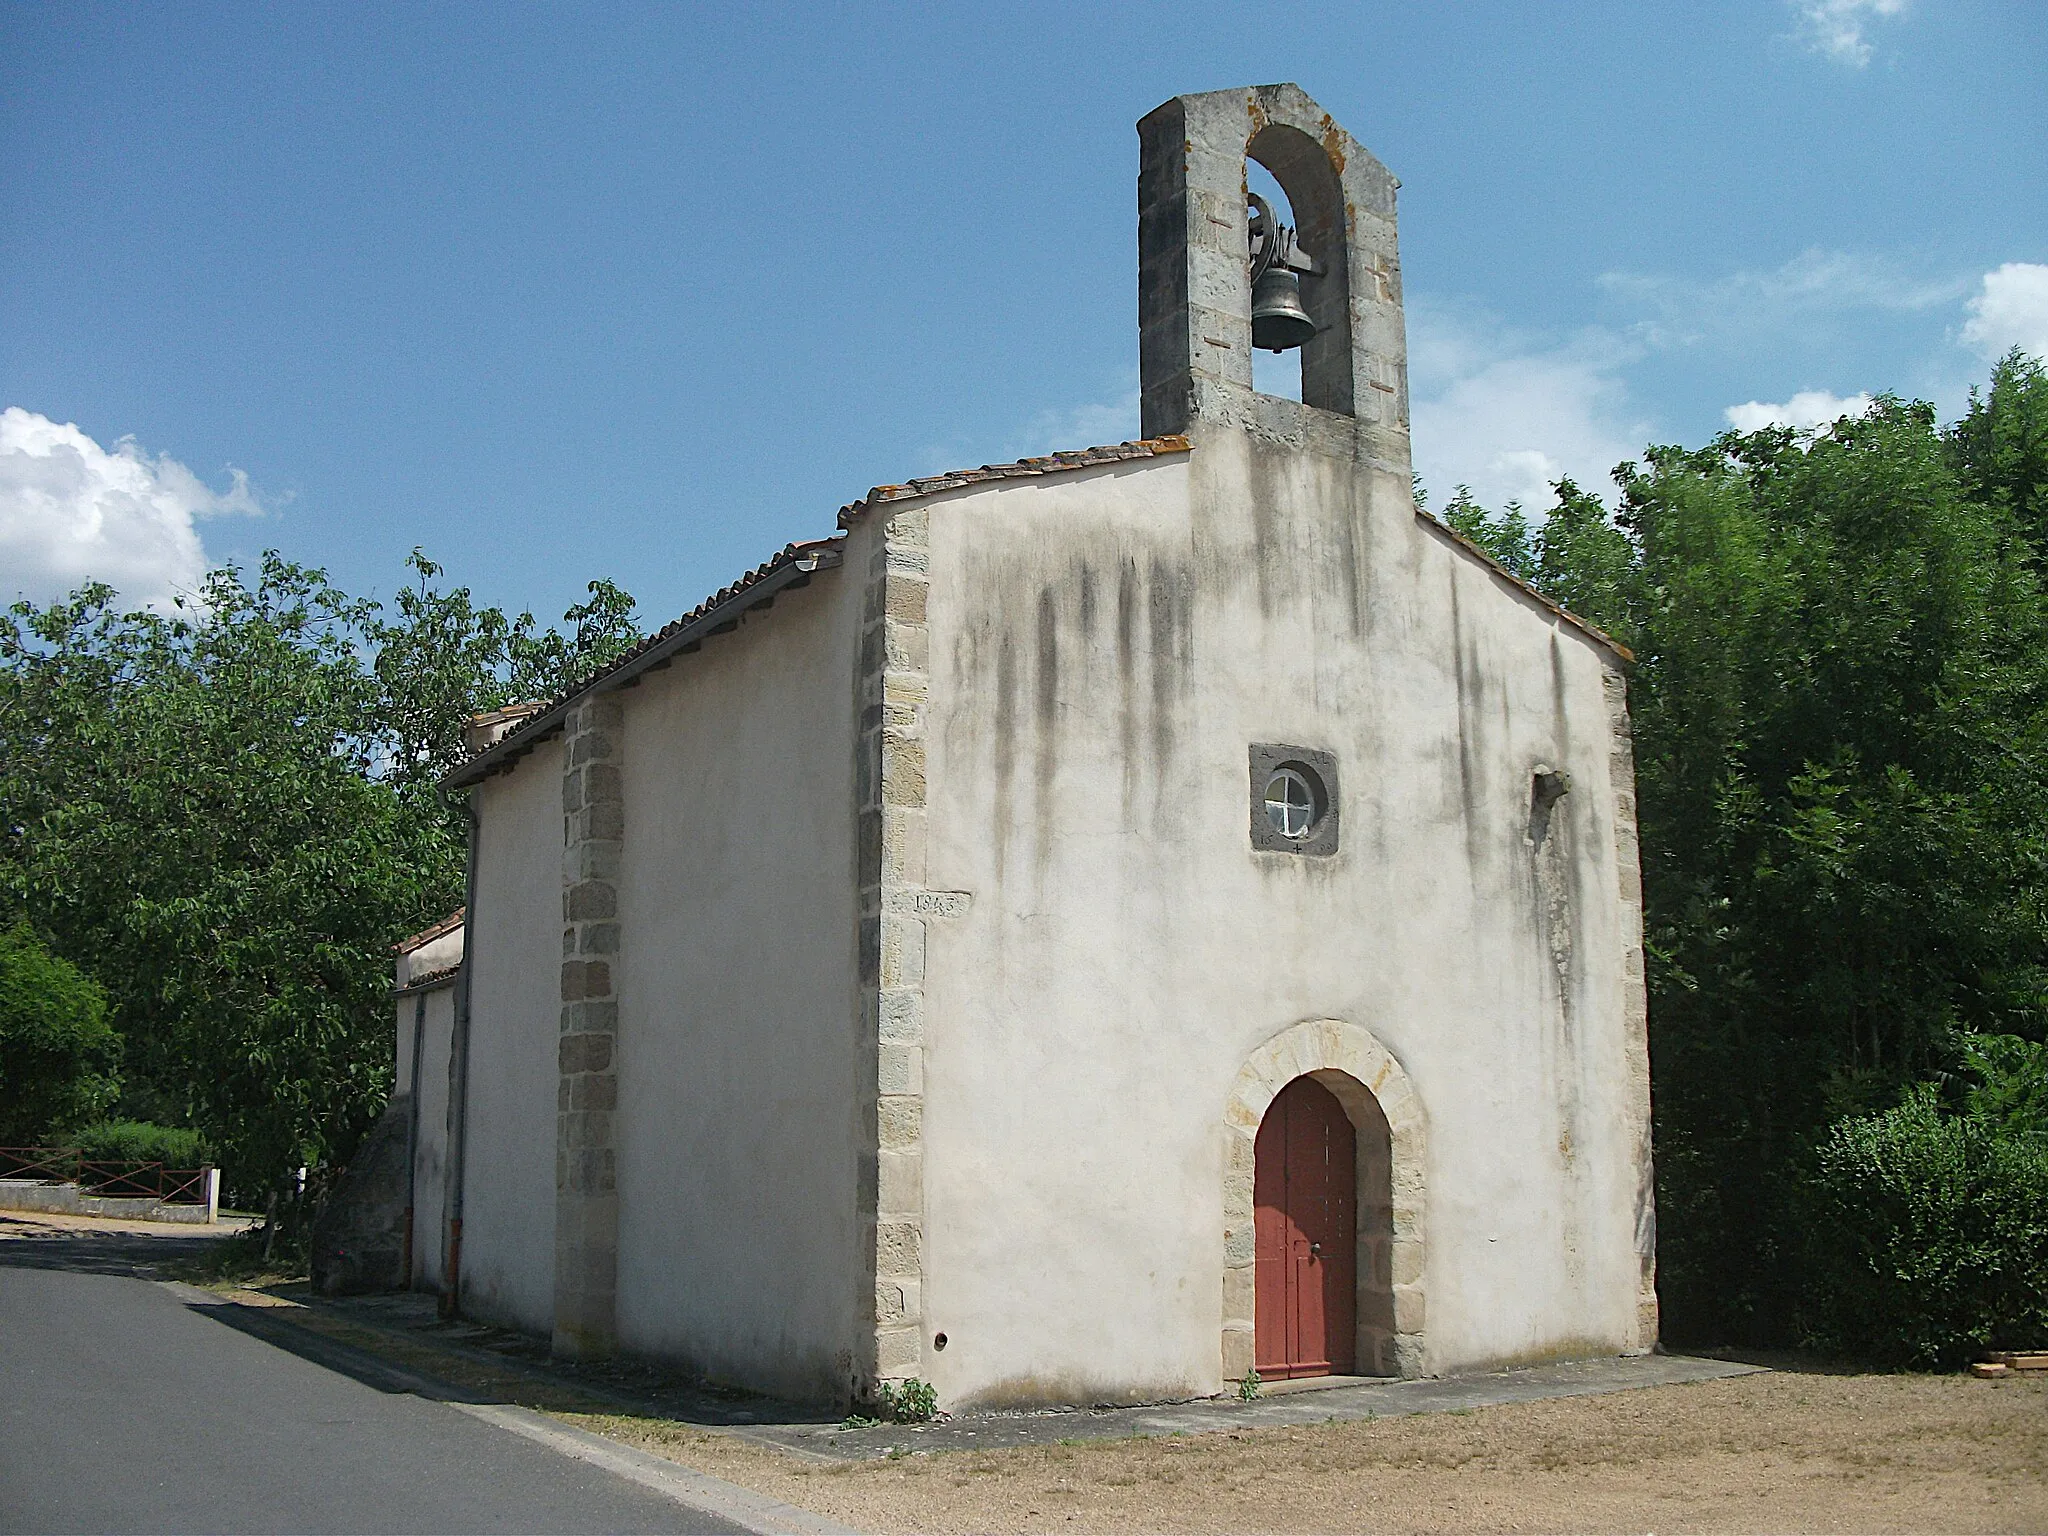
(1304, 1188)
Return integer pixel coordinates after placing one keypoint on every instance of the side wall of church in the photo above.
(435, 1011)
(738, 1109)
(514, 944)
(1105, 648)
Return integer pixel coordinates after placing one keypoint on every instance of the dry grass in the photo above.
(1780, 1452)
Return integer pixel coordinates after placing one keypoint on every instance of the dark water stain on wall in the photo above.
(1046, 722)
(1555, 813)
(1129, 726)
(1469, 686)
(1004, 748)
(1266, 500)
(1168, 644)
(1352, 534)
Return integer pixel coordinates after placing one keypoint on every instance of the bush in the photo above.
(59, 1058)
(137, 1141)
(910, 1401)
(1927, 1230)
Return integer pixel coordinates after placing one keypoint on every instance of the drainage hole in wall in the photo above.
(938, 1341)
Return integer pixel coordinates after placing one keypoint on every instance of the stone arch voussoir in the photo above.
(1366, 1078)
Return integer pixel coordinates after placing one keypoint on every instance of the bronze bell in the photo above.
(1278, 320)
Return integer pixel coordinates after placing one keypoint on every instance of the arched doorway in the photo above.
(1389, 1140)
(1305, 1205)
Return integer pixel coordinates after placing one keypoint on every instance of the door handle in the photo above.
(1315, 1247)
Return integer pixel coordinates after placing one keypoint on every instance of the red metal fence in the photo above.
(69, 1165)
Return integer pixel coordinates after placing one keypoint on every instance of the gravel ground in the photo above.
(1768, 1453)
(1790, 1450)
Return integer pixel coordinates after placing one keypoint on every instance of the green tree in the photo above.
(443, 658)
(1926, 1225)
(1840, 702)
(193, 802)
(233, 809)
(2001, 444)
(59, 1058)
(1506, 537)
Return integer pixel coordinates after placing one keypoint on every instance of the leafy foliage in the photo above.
(1841, 709)
(443, 659)
(910, 1401)
(232, 809)
(2001, 444)
(1927, 1230)
(59, 1058)
(137, 1141)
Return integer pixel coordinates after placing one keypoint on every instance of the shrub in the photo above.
(137, 1141)
(1927, 1230)
(59, 1058)
(910, 1401)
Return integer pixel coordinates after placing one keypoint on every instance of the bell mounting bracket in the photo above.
(1273, 243)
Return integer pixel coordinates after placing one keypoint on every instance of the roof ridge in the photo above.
(431, 932)
(1043, 464)
(1529, 588)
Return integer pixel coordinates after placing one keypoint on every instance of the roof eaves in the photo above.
(429, 980)
(1590, 630)
(792, 567)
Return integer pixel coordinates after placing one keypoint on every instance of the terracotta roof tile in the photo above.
(1050, 464)
(541, 721)
(428, 979)
(430, 933)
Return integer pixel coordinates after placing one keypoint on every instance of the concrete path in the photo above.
(642, 1389)
(129, 1405)
(1377, 1399)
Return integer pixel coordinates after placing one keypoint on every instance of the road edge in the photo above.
(699, 1491)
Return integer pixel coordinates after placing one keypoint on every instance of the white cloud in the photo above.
(1838, 29)
(1059, 429)
(1746, 304)
(1808, 408)
(2011, 310)
(72, 512)
(1094, 425)
(1508, 415)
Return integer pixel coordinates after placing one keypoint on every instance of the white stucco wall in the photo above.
(430, 1151)
(437, 954)
(1105, 646)
(515, 945)
(738, 1106)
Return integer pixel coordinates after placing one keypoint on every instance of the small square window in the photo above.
(1294, 799)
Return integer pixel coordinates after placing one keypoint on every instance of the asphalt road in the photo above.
(124, 1408)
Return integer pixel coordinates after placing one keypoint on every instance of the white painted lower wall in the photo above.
(738, 1109)
(514, 942)
(435, 1011)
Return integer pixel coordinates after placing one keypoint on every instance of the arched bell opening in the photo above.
(1333, 1087)
(1315, 197)
(1273, 373)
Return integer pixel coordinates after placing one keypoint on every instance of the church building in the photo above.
(1092, 927)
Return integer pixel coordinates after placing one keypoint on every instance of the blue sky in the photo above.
(646, 291)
